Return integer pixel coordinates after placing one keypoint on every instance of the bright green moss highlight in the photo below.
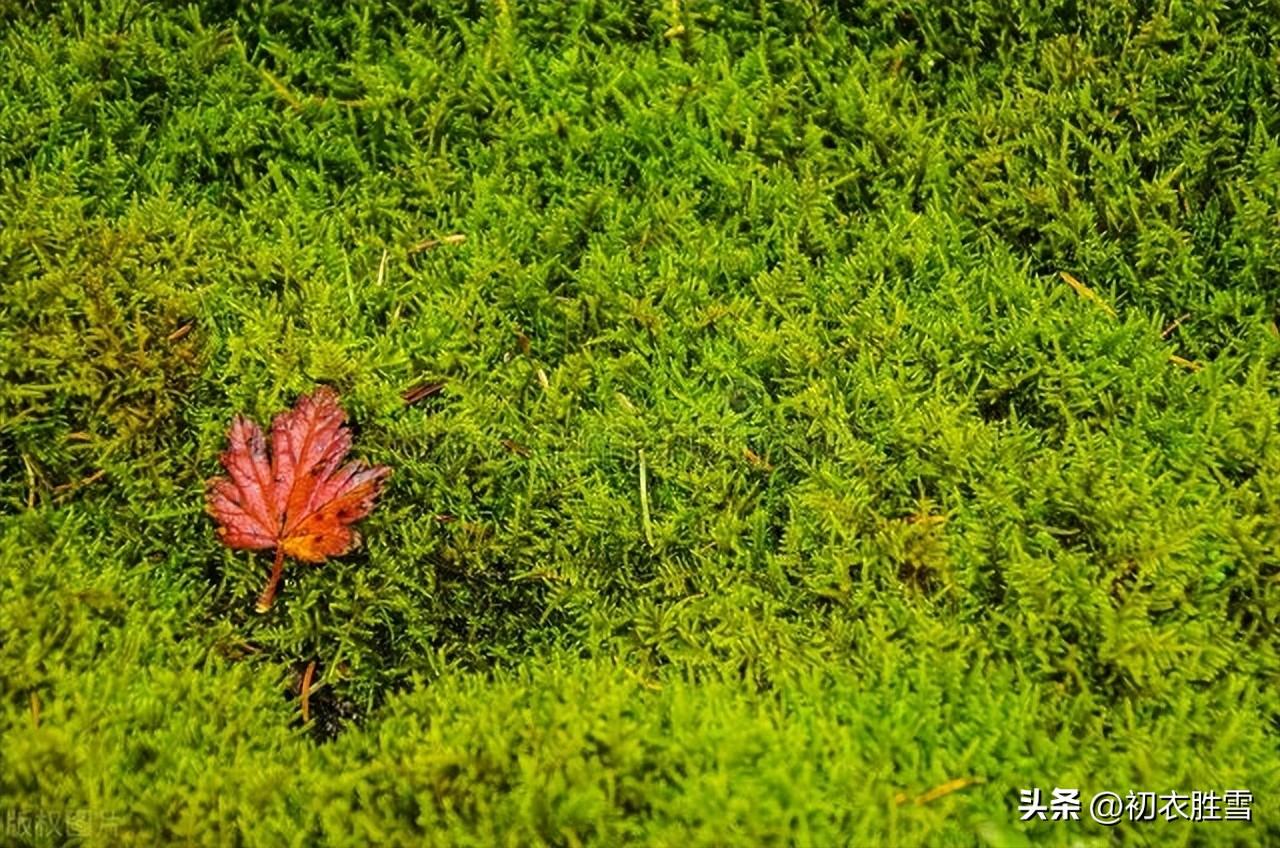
(916, 509)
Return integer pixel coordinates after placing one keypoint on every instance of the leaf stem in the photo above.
(269, 593)
(306, 691)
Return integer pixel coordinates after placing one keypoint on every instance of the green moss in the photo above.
(915, 509)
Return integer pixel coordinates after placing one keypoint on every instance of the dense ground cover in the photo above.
(923, 521)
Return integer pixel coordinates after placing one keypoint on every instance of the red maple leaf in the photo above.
(302, 500)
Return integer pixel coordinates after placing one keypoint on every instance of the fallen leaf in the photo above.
(301, 500)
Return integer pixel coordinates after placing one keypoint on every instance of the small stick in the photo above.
(281, 89)
(427, 244)
(1086, 292)
(298, 103)
(35, 709)
(268, 595)
(1164, 334)
(77, 484)
(306, 691)
(947, 788)
(939, 791)
(31, 482)
(181, 332)
(515, 447)
(757, 460)
(648, 684)
(421, 390)
(644, 500)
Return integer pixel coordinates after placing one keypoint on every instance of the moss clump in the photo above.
(922, 524)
